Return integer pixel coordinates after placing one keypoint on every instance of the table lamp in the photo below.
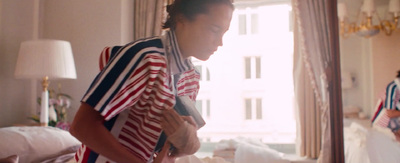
(45, 59)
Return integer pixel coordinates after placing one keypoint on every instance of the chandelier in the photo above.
(364, 26)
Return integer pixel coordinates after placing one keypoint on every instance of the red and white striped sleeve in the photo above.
(136, 72)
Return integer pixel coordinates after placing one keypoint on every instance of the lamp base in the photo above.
(44, 107)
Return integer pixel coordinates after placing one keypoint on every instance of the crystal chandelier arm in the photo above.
(388, 26)
(347, 29)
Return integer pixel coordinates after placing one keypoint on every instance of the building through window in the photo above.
(253, 109)
(252, 67)
(246, 87)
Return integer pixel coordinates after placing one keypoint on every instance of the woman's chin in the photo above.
(203, 58)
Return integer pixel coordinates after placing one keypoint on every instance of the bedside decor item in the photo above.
(45, 59)
(59, 103)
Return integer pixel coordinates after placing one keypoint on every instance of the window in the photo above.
(248, 22)
(252, 67)
(242, 24)
(253, 108)
(204, 72)
(203, 106)
(291, 24)
(251, 90)
(254, 23)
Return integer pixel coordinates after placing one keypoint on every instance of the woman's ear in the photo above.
(179, 18)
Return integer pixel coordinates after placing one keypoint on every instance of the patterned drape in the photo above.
(148, 17)
(308, 137)
(319, 49)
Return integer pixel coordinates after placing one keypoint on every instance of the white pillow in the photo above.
(35, 143)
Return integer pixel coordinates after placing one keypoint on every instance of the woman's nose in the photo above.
(219, 41)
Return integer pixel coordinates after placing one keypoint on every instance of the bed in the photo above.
(364, 143)
(244, 150)
(36, 144)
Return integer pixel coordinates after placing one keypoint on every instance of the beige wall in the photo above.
(89, 25)
(16, 26)
(385, 59)
(356, 60)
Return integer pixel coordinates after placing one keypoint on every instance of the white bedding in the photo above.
(370, 145)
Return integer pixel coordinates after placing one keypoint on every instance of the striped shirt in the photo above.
(133, 87)
(393, 95)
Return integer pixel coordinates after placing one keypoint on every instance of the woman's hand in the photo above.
(392, 113)
(165, 155)
(181, 132)
(171, 121)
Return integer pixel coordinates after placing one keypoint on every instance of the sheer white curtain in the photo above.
(148, 17)
(319, 49)
(308, 137)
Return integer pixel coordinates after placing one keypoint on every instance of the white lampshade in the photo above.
(342, 11)
(40, 58)
(368, 7)
(394, 6)
(45, 59)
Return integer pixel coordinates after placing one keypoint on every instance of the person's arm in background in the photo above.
(88, 128)
(390, 101)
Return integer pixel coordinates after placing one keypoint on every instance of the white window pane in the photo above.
(248, 108)
(199, 69)
(208, 74)
(258, 67)
(247, 63)
(199, 106)
(242, 24)
(259, 108)
(208, 109)
(254, 23)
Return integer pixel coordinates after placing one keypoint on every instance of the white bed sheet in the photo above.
(364, 144)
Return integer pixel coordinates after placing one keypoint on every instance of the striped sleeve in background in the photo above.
(382, 119)
(391, 91)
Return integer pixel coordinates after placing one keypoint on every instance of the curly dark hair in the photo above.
(189, 9)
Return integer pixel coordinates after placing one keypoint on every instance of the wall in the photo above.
(386, 57)
(356, 60)
(16, 26)
(372, 61)
(89, 26)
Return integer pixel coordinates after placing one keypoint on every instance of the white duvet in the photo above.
(370, 145)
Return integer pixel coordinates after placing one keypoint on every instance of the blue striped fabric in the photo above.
(392, 96)
(132, 89)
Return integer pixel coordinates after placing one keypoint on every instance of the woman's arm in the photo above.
(88, 128)
(392, 113)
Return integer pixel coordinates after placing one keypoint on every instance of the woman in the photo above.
(130, 102)
(392, 104)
